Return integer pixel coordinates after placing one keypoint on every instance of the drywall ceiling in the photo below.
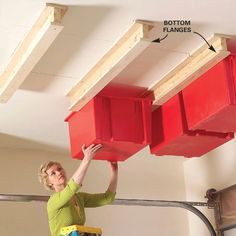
(34, 116)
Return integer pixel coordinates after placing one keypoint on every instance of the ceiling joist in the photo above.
(31, 49)
(133, 44)
(190, 69)
(124, 51)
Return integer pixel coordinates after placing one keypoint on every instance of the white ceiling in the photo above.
(34, 116)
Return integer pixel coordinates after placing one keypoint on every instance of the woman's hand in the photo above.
(90, 151)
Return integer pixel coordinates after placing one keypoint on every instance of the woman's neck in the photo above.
(59, 188)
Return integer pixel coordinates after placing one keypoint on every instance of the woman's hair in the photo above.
(43, 176)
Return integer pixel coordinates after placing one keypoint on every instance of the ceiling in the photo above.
(34, 117)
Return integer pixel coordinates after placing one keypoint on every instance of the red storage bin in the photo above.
(122, 125)
(171, 136)
(210, 101)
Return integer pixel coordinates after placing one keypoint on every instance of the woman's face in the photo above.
(56, 176)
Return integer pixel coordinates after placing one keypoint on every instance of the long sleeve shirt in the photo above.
(62, 212)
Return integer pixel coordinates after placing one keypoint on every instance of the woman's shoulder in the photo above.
(52, 196)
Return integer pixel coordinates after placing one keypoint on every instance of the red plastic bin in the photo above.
(171, 136)
(122, 125)
(210, 101)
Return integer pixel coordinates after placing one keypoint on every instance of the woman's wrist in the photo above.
(87, 158)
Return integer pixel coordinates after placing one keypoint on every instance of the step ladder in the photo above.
(80, 230)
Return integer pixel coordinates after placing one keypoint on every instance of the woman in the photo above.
(66, 206)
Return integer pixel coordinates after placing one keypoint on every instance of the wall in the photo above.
(214, 170)
(141, 177)
(231, 232)
(18, 171)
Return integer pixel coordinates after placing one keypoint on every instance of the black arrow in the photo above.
(210, 46)
(158, 40)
